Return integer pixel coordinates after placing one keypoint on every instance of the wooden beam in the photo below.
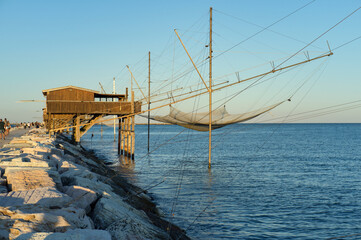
(92, 121)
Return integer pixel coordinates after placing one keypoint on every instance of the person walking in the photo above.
(7, 127)
(2, 129)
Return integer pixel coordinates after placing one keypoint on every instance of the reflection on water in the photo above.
(291, 181)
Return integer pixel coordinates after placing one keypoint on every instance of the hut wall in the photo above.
(89, 107)
(70, 94)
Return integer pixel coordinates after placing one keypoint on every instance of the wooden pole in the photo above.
(149, 103)
(113, 101)
(133, 78)
(129, 143)
(126, 136)
(122, 136)
(132, 128)
(210, 90)
(49, 124)
(199, 74)
(74, 124)
(119, 134)
(77, 129)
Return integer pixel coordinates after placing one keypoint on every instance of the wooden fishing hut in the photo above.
(79, 109)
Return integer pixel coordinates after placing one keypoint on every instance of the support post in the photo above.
(132, 128)
(113, 101)
(149, 103)
(77, 129)
(74, 132)
(49, 124)
(122, 136)
(53, 123)
(119, 134)
(128, 137)
(210, 90)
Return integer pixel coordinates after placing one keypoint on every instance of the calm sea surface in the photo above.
(276, 181)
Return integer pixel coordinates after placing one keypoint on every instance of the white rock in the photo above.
(67, 165)
(82, 197)
(76, 234)
(82, 172)
(130, 229)
(96, 186)
(76, 151)
(31, 178)
(123, 221)
(45, 197)
(18, 223)
(74, 216)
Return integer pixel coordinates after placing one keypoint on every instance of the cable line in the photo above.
(272, 24)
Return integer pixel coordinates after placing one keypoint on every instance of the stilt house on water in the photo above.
(79, 108)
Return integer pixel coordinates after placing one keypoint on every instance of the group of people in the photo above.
(29, 125)
(4, 128)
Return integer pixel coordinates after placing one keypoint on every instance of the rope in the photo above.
(265, 28)
(342, 45)
(319, 36)
(274, 23)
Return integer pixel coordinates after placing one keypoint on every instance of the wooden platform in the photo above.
(79, 109)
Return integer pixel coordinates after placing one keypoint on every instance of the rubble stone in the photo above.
(45, 197)
(76, 234)
(29, 179)
(82, 197)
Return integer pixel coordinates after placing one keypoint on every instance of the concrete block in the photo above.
(82, 197)
(76, 234)
(44, 197)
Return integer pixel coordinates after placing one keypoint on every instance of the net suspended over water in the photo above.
(200, 121)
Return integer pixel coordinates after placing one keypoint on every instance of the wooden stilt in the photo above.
(128, 136)
(149, 102)
(132, 128)
(77, 129)
(122, 136)
(126, 132)
(210, 90)
(49, 124)
(119, 133)
(53, 124)
(74, 132)
(133, 137)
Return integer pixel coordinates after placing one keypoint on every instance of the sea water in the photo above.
(276, 181)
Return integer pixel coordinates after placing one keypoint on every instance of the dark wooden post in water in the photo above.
(119, 133)
(133, 127)
(122, 136)
(149, 103)
(210, 90)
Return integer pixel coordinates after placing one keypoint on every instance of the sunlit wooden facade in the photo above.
(79, 109)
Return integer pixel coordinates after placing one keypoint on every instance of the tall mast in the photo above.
(148, 102)
(210, 90)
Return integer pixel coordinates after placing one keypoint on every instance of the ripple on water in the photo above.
(290, 181)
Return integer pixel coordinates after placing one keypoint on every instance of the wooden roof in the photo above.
(45, 92)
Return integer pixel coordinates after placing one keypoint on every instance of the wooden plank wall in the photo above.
(70, 94)
(116, 108)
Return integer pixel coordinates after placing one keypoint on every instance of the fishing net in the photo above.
(200, 121)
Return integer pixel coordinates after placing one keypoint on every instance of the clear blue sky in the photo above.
(48, 44)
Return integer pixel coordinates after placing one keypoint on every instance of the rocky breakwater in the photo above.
(52, 189)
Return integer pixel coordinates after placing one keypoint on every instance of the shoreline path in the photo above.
(13, 134)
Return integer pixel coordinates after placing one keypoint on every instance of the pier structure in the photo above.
(79, 109)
